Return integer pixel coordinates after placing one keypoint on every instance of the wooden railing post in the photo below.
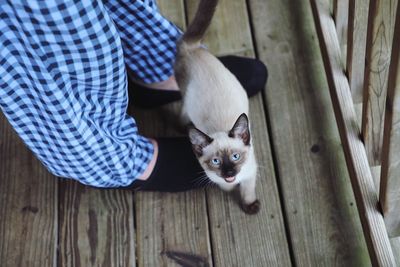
(390, 176)
(356, 45)
(341, 15)
(379, 45)
(356, 159)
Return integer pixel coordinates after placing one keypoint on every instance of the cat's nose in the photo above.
(230, 173)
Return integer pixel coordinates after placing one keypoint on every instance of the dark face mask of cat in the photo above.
(223, 154)
(226, 163)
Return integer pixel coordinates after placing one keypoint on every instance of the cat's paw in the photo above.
(252, 208)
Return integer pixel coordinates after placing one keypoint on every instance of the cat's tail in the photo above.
(200, 23)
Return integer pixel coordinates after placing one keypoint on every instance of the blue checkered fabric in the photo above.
(63, 84)
(148, 39)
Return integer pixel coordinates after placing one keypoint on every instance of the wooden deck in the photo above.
(308, 215)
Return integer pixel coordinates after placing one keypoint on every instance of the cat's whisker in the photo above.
(204, 177)
(200, 183)
(210, 184)
(201, 180)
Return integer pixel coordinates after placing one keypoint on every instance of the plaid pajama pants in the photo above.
(63, 84)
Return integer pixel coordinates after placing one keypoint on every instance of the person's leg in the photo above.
(149, 43)
(63, 89)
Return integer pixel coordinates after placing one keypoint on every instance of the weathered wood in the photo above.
(356, 45)
(332, 7)
(243, 240)
(357, 162)
(96, 226)
(341, 15)
(28, 205)
(232, 231)
(323, 222)
(174, 10)
(390, 180)
(169, 223)
(395, 242)
(379, 45)
(233, 28)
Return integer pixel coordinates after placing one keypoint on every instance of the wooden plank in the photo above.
(357, 36)
(390, 180)
(341, 15)
(357, 162)
(379, 45)
(332, 7)
(28, 205)
(174, 10)
(323, 221)
(395, 242)
(239, 39)
(170, 223)
(96, 226)
(232, 231)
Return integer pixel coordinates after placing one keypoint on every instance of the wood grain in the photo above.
(395, 242)
(28, 205)
(363, 186)
(341, 15)
(232, 232)
(174, 10)
(356, 39)
(390, 179)
(234, 36)
(96, 226)
(316, 191)
(379, 45)
(170, 224)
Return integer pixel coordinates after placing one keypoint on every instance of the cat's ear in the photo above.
(241, 129)
(199, 140)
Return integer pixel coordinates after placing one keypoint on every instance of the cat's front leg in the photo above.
(250, 203)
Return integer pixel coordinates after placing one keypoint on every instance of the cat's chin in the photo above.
(227, 186)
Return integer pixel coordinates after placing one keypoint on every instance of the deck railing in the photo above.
(360, 45)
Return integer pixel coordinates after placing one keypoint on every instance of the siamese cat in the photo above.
(217, 105)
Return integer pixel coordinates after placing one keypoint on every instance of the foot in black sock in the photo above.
(176, 169)
(251, 73)
(144, 97)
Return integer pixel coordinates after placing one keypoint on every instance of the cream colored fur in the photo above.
(213, 101)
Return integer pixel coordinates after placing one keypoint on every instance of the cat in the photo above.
(216, 104)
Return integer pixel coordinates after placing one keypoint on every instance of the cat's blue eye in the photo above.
(215, 161)
(235, 156)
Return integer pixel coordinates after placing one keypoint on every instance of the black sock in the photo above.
(251, 73)
(144, 97)
(177, 168)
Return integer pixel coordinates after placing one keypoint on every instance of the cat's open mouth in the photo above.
(230, 179)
